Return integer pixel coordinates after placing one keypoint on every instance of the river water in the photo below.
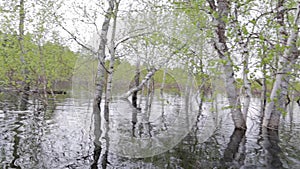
(169, 133)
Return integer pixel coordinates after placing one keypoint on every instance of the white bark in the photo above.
(221, 47)
(243, 42)
(247, 86)
(112, 58)
(279, 91)
(138, 88)
(101, 70)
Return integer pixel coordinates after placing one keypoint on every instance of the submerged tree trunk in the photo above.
(101, 70)
(221, 47)
(280, 88)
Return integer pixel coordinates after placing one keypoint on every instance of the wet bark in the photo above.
(221, 47)
(280, 88)
(101, 70)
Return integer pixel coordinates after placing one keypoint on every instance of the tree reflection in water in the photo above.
(271, 149)
(101, 141)
(234, 154)
(64, 138)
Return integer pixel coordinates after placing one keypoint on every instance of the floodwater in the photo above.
(169, 133)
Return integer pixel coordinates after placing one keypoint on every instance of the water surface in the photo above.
(167, 134)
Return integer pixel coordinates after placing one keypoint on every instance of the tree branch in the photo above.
(131, 37)
(77, 41)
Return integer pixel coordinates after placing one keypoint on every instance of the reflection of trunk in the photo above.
(97, 133)
(163, 116)
(138, 88)
(101, 70)
(134, 119)
(280, 88)
(232, 156)
(221, 47)
(145, 118)
(104, 159)
(16, 145)
(272, 149)
(112, 58)
(105, 139)
(136, 82)
(25, 83)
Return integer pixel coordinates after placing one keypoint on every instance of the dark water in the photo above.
(170, 133)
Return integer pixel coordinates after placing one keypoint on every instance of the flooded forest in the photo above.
(150, 84)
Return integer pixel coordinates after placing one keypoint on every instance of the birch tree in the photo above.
(279, 91)
(112, 51)
(221, 9)
(101, 55)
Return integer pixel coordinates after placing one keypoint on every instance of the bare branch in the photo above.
(131, 37)
(78, 41)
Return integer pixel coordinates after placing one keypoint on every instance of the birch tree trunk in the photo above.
(101, 70)
(247, 85)
(222, 9)
(108, 94)
(243, 42)
(280, 88)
